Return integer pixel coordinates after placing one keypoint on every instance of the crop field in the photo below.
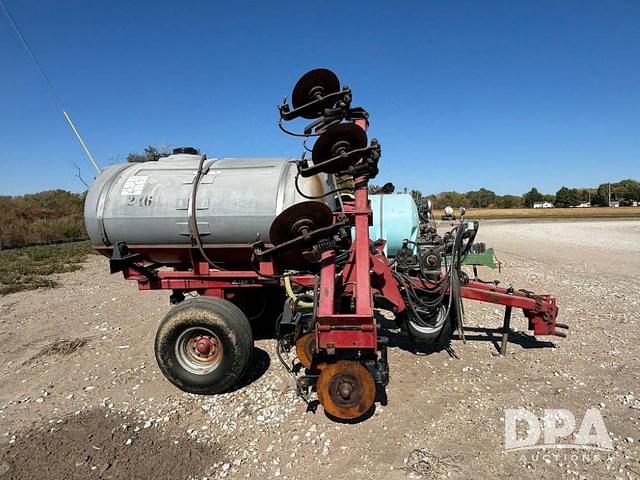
(594, 212)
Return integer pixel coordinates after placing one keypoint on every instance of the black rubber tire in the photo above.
(440, 337)
(232, 328)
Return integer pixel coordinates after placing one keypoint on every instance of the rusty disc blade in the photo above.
(287, 225)
(346, 389)
(341, 138)
(316, 83)
(306, 348)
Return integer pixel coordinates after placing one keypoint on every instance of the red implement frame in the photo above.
(541, 310)
(357, 329)
(345, 318)
(366, 275)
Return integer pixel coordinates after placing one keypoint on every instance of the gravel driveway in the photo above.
(82, 397)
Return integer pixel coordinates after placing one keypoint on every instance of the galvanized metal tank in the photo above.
(395, 218)
(148, 204)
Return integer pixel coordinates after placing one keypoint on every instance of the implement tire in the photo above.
(204, 345)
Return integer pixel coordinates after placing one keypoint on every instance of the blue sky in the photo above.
(462, 95)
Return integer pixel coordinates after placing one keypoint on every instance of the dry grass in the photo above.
(30, 267)
(594, 212)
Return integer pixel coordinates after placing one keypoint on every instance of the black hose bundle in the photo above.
(424, 301)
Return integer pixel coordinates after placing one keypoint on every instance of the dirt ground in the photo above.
(81, 395)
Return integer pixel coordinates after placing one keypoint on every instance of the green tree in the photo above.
(482, 198)
(598, 200)
(454, 199)
(508, 201)
(627, 190)
(583, 195)
(532, 196)
(151, 154)
(567, 197)
(417, 196)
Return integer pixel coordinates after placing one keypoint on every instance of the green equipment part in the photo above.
(486, 258)
(480, 259)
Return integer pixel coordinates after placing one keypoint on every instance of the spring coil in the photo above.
(326, 245)
(360, 169)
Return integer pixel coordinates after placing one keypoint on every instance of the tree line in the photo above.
(58, 215)
(625, 191)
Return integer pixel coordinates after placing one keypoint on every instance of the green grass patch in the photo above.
(29, 268)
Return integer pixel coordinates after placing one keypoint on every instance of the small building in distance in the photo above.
(614, 203)
(542, 205)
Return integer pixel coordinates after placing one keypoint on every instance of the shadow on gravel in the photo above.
(400, 340)
(494, 335)
(260, 362)
(403, 342)
(381, 397)
(101, 445)
(473, 334)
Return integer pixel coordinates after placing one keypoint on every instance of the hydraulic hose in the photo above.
(195, 233)
(292, 295)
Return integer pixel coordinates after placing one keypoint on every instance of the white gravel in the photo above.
(449, 405)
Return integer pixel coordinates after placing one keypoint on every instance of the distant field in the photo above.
(594, 212)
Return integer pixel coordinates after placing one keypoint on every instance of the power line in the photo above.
(27, 47)
(47, 82)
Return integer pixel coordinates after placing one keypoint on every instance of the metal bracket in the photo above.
(349, 159)
(506, 328)
(343, 96)
(310, 243)
(122, 259)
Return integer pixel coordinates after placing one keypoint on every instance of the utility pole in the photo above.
(609, 203)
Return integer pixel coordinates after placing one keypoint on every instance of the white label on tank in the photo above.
(134, 185)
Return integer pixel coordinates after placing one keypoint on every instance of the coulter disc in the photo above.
(305, 349)
(336, 140)
(316, 83)
(346, 389)
(289, 224)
